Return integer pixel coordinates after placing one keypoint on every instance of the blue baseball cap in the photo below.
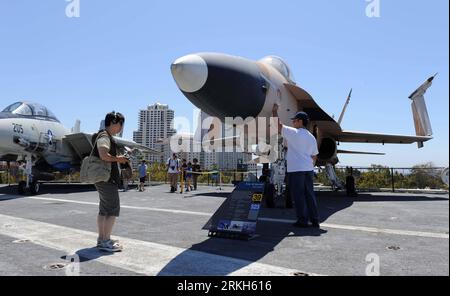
(301, 116)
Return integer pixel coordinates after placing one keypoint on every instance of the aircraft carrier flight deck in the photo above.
(405, 234)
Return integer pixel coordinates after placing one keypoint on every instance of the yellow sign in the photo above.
(257, 197)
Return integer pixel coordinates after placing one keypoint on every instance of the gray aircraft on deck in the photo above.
(31, 133)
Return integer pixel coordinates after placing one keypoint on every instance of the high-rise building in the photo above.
(155, 124)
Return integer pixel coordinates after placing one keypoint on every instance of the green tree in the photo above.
(157, 172)
(376, 177)
(426, 176)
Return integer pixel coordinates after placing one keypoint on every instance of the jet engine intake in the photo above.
(327, 149)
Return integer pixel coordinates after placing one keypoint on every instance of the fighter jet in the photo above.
(31, 133)
(228, 86)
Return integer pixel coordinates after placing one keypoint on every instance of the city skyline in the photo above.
(156, 125)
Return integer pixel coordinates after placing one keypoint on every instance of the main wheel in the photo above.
(35, 187)
(21, 188)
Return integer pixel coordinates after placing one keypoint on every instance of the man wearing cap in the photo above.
(301, 159)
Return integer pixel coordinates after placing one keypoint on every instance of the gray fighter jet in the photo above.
(31, 133)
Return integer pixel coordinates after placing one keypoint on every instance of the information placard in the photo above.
(238, 215)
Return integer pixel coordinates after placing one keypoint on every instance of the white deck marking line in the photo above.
(141, 257)
(325, 225)
(369, 229)
(125, 206)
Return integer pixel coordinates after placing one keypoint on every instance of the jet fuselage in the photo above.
(22, 135)
(228, 86)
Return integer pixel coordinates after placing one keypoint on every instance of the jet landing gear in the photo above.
(334, 179)
(30, 186)
(275, 179)
(269, 187)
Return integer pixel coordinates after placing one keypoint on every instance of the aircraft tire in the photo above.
(35, 188)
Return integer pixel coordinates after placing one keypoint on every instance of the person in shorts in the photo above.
(188, 173)
(173, 168)
(196, 168)
(142, 176)
(105, 148)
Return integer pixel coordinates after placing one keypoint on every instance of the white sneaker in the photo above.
(110, 246)
(115, 241)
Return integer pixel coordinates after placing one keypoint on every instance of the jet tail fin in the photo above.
(77, 127)
(347, 102)
(422, 121)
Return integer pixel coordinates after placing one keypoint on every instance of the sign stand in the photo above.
(238, 215)
(230, 235)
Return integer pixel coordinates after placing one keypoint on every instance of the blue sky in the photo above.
(117, 56)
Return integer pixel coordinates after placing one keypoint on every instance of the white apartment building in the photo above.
(155, 123)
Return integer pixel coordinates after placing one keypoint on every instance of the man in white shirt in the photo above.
(301, 158)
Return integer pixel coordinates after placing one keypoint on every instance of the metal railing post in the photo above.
(392, 180)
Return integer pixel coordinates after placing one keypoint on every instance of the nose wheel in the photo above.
(33, 189)
(30, 186)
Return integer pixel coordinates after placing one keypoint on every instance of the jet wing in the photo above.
(363, 137)
(82, 146)
(232, 142)
(307, 104)
(8, 157)
(330, 126)
(359, 152)
(122, 143)
(80, 143)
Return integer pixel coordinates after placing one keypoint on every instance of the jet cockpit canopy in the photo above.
(31, 110)
(280, 65)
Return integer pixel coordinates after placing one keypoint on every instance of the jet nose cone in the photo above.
(190, 73)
